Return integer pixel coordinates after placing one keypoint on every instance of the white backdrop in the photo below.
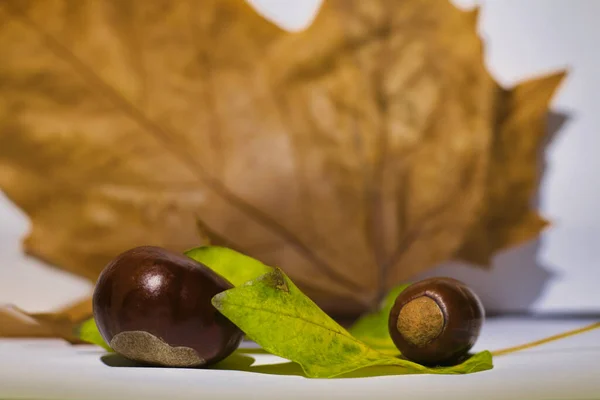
(561, 271)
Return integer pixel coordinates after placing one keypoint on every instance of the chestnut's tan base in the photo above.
(144, 347)
(420, 321)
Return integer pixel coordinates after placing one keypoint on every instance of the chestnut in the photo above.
(153, 306)
(436, 321)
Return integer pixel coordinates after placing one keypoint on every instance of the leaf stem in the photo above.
(553, 338)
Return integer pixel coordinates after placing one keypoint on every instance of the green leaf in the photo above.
(373, 328)
(236, 267)
(88, 332)
(481, 361)
(274, 313)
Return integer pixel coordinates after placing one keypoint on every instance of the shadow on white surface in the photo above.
(254, 363)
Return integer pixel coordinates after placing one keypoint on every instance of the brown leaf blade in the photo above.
(353, 154)
(373, 93)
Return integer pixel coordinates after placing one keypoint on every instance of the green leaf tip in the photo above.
(88, 332)
(234, 266)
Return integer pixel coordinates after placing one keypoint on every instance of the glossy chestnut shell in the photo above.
(436, 321)
(154, 306)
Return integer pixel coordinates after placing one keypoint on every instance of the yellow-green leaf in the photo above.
(481, 361)
(88, 332)
(273, 312)
(372, 328)
(236, 267)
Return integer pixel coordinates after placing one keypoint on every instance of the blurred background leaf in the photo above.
(354, 154)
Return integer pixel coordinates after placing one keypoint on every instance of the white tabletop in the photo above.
(567, 369)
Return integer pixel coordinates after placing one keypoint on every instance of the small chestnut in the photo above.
(436, 321)
(153, 306)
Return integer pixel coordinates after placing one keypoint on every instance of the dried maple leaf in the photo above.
(369, 147)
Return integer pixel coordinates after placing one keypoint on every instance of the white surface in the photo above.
(524, 38)
(567, 369)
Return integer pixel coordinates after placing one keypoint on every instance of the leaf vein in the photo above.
(308, 321)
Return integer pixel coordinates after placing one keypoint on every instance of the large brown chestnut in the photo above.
(436, 321)
(154, 306)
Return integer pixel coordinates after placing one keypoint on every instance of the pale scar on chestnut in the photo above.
(420, 321)
(146, 348)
